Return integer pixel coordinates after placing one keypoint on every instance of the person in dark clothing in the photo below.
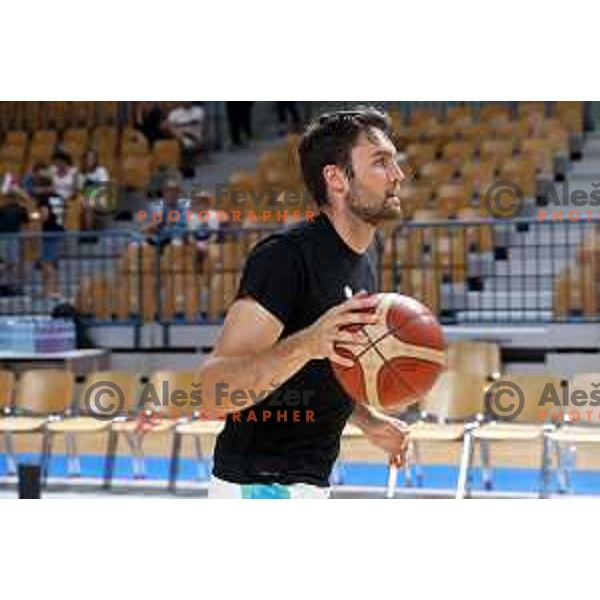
(281, 333)
(285, 110)
(12, 218)
(149, 119)
(239, 116)
(42, 192)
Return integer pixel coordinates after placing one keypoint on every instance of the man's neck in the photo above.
(357, 234)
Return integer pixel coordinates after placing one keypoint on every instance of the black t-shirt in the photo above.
(297, 275)
(51, 222)
(12, 217)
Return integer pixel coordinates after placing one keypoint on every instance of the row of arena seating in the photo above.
(53, 403)
(61, 115)
(32, 116)
(187, 288)
(125, 153)
(178, 285)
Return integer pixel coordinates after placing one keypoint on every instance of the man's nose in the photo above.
(397, 174)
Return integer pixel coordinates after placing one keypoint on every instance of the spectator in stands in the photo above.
(186, 124)
(38, 181)
(65, 178)
(92, 172)
(13, 216)
(40, 188)
(167, 226)
(51, 245)
(205, 223)
(239, 115)
(150, 120)
(285, 110)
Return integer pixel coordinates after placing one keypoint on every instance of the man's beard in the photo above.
(388, 210)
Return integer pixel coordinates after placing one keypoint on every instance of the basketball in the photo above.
(404, 356)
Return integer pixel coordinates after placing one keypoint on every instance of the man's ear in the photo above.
(336, 179)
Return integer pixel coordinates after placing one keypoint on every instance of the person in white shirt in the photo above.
(65, 179)
(92, 172)
(186, 123)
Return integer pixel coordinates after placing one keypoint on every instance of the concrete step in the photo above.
(511, 316)
(560, 253)
(513, 300)
(544, 267)
(521, 285)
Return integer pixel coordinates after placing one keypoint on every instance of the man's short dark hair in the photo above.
(62, 155)
(329, 141)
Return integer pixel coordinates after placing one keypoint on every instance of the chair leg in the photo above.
(571, 466)
(416, 460)
(486, 471)
(174, 465)
(561, 472)
(463, 488)
(136, 455)
(46, 455)
(109, 461)
(409, 465)
(545, 467)
(201, 472)
(139, 440)
(73, 464)
(11, 463)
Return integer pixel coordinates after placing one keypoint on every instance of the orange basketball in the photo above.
(404, 356)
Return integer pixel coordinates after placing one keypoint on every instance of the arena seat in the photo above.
(196, 426)
(81, 422)
(41, 394)
(145, 417)
(576, 291)
(525, 427)
(456, 398)
(437, 173)
(136, 171)
(133, 143)
(579, 426)
(166, 152)
(75, 142)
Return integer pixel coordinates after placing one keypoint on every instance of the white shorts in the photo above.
(224, 490)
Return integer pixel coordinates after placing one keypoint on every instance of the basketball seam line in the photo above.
(388, 332)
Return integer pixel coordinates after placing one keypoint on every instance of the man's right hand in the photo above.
(321, 337)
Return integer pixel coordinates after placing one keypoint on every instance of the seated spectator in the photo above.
(51, 245)
(39, 185)
(92, 172)
(166, 226)
(38, 181)
(205, 223)
(186, 124)
(65, 179)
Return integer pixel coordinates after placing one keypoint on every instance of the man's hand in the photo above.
(321, 337)
(387, 433)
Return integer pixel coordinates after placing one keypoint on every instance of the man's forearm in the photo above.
(362, 416)
(256, 376)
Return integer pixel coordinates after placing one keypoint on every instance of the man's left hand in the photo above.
(389, 434)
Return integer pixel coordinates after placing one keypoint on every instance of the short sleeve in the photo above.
(273, 277)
